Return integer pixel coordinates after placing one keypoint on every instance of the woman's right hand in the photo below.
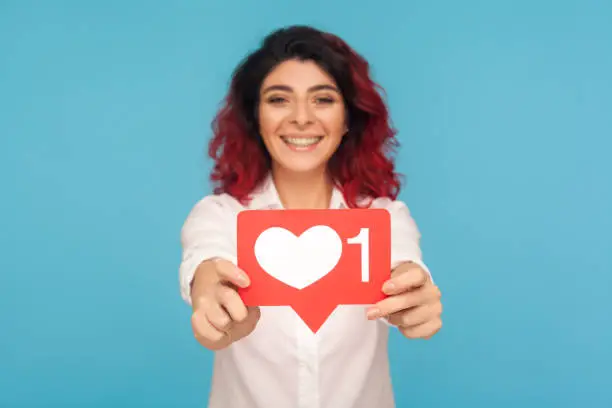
(219, 315)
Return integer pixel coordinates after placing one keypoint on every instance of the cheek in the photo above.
(269, 121)
(334, 122)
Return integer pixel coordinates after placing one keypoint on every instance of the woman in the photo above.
(303, 127)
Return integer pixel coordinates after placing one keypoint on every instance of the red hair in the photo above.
(362, 166)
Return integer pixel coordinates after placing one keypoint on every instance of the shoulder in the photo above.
(216, 203)
(215, 208)
(401, 216)
(395, 207)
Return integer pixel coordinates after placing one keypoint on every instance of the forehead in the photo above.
(299, 75)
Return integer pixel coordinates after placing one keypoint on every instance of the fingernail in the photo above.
(388, 286)
(242, 278)
(372, 313)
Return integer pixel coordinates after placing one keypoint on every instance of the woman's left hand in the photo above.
(413, 304)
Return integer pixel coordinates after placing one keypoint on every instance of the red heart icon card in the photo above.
(314, 260)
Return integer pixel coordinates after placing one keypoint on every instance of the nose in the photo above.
(302, 114)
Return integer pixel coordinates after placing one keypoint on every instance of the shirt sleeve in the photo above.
(206, 234)
(405, 237)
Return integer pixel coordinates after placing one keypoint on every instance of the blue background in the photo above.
(505, 118)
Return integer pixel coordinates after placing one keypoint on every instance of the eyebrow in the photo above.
(311, 89)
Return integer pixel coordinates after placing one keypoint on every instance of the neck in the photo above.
(303, 191)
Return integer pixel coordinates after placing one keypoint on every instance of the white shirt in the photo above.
(282, 363)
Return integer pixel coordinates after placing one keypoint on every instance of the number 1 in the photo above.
(363, 238)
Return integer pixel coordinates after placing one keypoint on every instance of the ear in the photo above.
(347, 120)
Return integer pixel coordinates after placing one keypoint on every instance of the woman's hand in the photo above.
(413, 304)
(219, 316)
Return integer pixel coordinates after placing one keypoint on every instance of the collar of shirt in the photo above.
(265, 196)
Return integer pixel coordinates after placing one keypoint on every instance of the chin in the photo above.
(302, 167)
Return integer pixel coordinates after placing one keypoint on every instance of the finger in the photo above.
(253, 315)
(413, 277)
(230, 300)
(416, 315)
(203, 329)
(254, 312)
(218, 317)
(393, 304)
(247, 325)
(396, 303)
(425, 330)
(228, 272)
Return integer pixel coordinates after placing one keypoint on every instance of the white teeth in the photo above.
(302, 141)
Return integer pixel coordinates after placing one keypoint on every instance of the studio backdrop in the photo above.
(504, 114)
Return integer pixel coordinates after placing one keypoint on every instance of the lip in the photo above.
(305, 148)
(300, 136)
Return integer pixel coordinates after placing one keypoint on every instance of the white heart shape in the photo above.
(298, 261)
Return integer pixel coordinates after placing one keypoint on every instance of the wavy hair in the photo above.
(361, 166)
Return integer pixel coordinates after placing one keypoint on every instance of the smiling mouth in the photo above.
(302, 142)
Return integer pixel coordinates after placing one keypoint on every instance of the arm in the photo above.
(406, 260)
(206, 234)
(209, 276)
(405, 238)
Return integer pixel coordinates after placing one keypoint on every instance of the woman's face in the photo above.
(301, 116)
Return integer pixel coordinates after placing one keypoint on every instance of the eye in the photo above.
(325, 100)
(276, 100)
